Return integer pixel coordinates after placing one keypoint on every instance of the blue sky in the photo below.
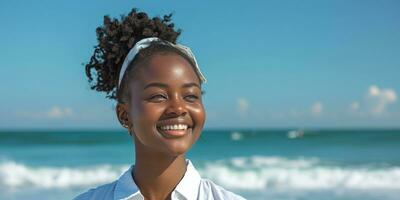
(269, 64)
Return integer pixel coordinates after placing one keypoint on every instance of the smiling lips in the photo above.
(175, 130)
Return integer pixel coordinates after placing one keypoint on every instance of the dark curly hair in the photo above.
(115, 39)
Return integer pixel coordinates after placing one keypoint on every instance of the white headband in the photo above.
(144, 43)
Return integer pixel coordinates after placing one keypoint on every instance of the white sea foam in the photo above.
(236, 136)
(246, 173)
(259, 172)
(16, 175)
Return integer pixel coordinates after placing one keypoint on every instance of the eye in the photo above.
(191, 98)
(157, 97)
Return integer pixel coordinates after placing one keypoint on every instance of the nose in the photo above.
(176, 107)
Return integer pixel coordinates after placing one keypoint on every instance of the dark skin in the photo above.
(164, 90)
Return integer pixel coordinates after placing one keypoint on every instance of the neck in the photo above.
(157, 174)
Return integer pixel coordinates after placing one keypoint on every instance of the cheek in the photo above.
(148, 114)
(145, 117)
(144, 124)
(198, 114)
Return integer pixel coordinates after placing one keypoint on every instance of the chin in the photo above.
(177, 148)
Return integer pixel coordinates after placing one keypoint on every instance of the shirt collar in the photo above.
(125, 187)
(188, 187)
(189, 184)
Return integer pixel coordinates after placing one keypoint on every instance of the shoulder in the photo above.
(210, 190)
(103, 192)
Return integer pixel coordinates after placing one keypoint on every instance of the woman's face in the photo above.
(166, 109)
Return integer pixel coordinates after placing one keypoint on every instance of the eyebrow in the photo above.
(163, 85)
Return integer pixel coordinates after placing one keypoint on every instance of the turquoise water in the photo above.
(258, 164)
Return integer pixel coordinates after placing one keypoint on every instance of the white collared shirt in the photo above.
(191, 187)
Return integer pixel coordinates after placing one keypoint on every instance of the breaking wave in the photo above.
(244, 173)
(14, 174)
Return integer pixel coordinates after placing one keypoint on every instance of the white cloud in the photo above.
(242, 105)
(379, 98)
(373, 90)
(294, 113)
(355, 106)
(55, 112)
(317, 108)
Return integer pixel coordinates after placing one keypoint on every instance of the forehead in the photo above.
(169, 68)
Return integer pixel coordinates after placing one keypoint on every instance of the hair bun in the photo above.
(115, 38)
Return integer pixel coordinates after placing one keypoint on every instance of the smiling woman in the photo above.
(157, 84)
(163, 100)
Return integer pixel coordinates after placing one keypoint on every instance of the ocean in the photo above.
(257, 164)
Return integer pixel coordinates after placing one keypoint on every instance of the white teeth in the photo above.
(174, 127)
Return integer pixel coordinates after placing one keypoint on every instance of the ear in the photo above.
(123, 115)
